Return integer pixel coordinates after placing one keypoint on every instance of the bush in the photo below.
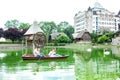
(55, 44)
(10, 42)
(61, 44)
(102, 39)
(49, 44)
(63, 39)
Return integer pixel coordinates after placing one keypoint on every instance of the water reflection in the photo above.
(96, 65)
(88, 64)
(116, 51)
(2, 55)
(12, 67)
(35, 71)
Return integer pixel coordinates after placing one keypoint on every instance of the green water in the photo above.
(82, 64)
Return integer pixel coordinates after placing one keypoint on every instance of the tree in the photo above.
(47, 27)
(24, 26)
(110, 35)
(23, 31)
(12, 24)
(63, 38)
(69, 31)
(12, 34)
(1, 32)
(94, 37)
(62, 25)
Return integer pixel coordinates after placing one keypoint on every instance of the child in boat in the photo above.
(52, 53)
(37, 52)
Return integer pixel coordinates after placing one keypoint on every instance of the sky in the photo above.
(28, 11)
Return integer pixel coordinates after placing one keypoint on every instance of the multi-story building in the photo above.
(97, 19)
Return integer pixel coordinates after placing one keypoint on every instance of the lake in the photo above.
(83, 64)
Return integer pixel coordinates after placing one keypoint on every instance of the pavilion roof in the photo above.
(34, 28)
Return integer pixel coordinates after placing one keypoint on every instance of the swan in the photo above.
(106, 52)
(89, 50)
(2, 55)
(118, 79)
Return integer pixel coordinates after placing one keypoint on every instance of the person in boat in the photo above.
(37, 52)
(52, 53)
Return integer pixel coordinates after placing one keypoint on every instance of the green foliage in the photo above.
(102, 39)
(63, 39)
(110, 35)
(94, 37)
(61, 44)
(69, 31)
(49, 44)
(24, 26)
(62, 25)
(10, 42)
(47, 27)
(66, 28)
(12, 24)
(55, 44)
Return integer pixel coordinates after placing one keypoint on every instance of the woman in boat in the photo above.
(52, 53)
(37, 52)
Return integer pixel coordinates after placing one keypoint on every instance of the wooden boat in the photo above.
(31, 57)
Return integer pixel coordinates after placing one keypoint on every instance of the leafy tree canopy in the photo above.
(62, 25)
(12, 23)
(24, 26)
(63, 38)
(69, 31)
(102, 39)
(12, 34)
(47, 27)
(1, 32)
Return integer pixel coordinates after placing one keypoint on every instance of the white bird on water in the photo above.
(118, 79)
(89, 50)
(106, 52)
(2, 55)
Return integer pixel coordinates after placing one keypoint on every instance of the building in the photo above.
(97, 19)
(54, 35)
(82, 36)
(35, 36)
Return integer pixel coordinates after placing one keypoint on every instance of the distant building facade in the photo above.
(97, 19)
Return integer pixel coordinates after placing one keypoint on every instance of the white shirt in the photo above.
(52, 54)
(36, 52)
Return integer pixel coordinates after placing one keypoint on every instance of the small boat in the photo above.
(31, 57)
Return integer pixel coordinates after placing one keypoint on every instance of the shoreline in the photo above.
(10, 47)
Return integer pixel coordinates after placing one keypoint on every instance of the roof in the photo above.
(34, 28)
(79, 34)
(119, 13)
(55, 35)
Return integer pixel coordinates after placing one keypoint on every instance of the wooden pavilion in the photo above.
(35, 36)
